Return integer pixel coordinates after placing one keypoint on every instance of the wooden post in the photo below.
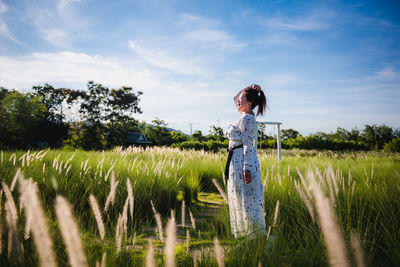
(279, 142)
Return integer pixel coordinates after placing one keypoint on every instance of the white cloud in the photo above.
(176, 101)
(317, 21)
(3, 7)
(56, 36)
(168, 58)
(64, 4)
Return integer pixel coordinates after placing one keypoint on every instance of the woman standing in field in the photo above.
(245, 191)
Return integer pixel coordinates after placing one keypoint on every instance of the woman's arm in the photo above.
(247, 127)
(236, 97)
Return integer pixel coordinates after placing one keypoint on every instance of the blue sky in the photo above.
(322, 64)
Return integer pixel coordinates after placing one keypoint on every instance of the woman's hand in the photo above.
(256, 87)
(247, 177)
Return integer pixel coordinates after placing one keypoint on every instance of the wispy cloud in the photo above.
(62, 4)
(168, 60)
(310, 23)
(3, 7)
(4, 30)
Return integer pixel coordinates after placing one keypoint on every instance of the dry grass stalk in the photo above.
(306, 201)
(40, 231)
(221, 191)
(303, 182)
(130, 196)
(111, 195)
(11, 203)
(219, 253)
(150, 262)
(357, 249)
(97, 215)
(158, 222)
(14, 181)
(70, 233)
(276, 213)
(183, 213)
(187, 240)
(333, 238)
(14, 247)
(269, 232)
(103, 260)
(192, 220)
(119, 233)
(170, 243)
(125, 217)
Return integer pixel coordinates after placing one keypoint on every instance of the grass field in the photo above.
(320, 207)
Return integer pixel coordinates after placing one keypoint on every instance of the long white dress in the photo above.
(246, 201)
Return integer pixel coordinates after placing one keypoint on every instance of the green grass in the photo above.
(367, 202)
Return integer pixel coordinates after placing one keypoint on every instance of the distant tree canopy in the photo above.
(106, 116)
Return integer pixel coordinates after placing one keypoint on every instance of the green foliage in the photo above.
(393, 146)
(158, 133)
(209, 145)
(216, 133)
(20, 118)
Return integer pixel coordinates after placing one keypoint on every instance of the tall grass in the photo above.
(360, 189)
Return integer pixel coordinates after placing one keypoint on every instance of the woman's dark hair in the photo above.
(256, 98)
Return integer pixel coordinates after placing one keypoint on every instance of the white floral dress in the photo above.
(246, 201)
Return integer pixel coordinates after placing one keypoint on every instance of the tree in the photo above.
(376, 136)
(216, 133)
(105, 113)
(198, 135)
(21, 115)
(158, 133)
(289, 133)
(178, 137)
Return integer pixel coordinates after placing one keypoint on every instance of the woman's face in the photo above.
(243, 104)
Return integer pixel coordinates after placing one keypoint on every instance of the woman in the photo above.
(245, 191)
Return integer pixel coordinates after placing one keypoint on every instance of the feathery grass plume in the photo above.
(303, 182)
(14, 248)
(219, 253)
(1, 160)
(15, 179)
(268, 232)
(130, 196)
(10, 199)
(111, 195)
(158, 222)
(221, 191)
(97, 215)
(13, 157)
(276, 213)
(125, 217)
(192, 220)
(70, 232)
(357, 249)
(103, 260)
(40, 231)
(119, 233)
(333, 238)
(170, 243)
(183, 213)
(44, 167)
(306, 201)
(187, 240)
(150, 256)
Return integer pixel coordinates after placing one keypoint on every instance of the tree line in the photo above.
(38, 119)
